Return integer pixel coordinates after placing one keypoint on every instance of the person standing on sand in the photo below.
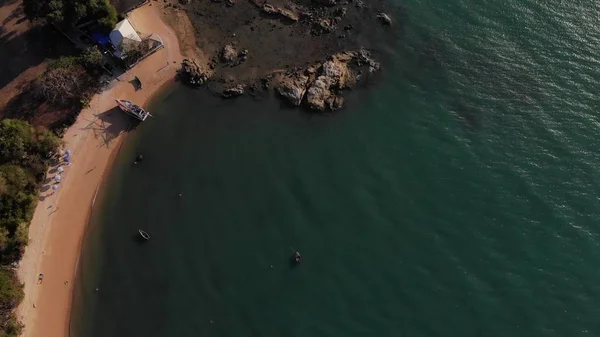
(40, 278)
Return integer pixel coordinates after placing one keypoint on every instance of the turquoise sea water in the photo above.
(455, 196)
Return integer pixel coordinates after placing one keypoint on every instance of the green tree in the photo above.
(46, 142)
(68, 13)
(4, 238)
(11, 293)
(92, 57)
(15, 138)
(11, 290)
(23, 164)
(21, 236)
(106, 15)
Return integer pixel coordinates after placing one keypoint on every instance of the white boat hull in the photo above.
(133, 110)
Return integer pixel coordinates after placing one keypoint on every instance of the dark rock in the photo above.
(340, 12)
(348, 27)
(384, 19)
(282, 13)
(233, 91)
(325, 2)
(364, 57)
(337, 103)
(265, 82)
(323, 26)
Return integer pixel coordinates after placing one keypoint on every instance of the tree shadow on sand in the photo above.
(108, 125)
(28, 49)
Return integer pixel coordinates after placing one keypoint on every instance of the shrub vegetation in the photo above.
(25, 150)
(23, 163)
(67, 13)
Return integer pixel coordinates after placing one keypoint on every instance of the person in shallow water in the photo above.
(297, 257)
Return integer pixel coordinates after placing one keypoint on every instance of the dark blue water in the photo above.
(457, 196)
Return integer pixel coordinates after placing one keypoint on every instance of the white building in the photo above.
(123, 37)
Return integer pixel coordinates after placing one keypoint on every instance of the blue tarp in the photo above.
(101, 39)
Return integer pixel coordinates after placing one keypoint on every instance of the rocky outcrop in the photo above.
(323, 26)
(233, 91)
(325, 2)
(293, 88)
(282, 13)
(228, 54)
(384, 19)
(193, 73)
(319, 87)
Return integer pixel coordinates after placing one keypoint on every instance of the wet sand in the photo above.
(60, 219)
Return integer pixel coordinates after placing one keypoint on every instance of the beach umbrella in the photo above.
(60, 169)
(68, 152)
(57, 177)
(67, 159)
(55, 187)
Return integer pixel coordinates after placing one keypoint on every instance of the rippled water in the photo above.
(455, 197)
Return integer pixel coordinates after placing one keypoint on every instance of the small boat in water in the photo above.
(133, 110)
(297, 258)
(144, 235)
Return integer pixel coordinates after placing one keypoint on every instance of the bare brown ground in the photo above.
(24, 50)
(18, 66)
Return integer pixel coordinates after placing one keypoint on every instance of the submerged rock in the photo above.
(323, 26)
(282, 13)
(193, 73)
(325, 2)
(384, 19)
(233, 91)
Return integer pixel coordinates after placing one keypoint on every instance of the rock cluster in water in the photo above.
(282, 13)
(319, 86)
(233, 91)
(193, 73)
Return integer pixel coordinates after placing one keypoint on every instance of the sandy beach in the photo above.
(60, 219)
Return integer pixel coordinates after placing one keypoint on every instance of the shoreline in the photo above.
(61, 219)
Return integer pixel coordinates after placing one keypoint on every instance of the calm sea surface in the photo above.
(456, 196)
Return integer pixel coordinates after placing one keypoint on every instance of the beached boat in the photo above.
(133, 109)
(144, 235)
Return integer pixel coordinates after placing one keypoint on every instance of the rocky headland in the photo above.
(308, 52)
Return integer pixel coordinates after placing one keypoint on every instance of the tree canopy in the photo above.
(67, 13)
(23, 163)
